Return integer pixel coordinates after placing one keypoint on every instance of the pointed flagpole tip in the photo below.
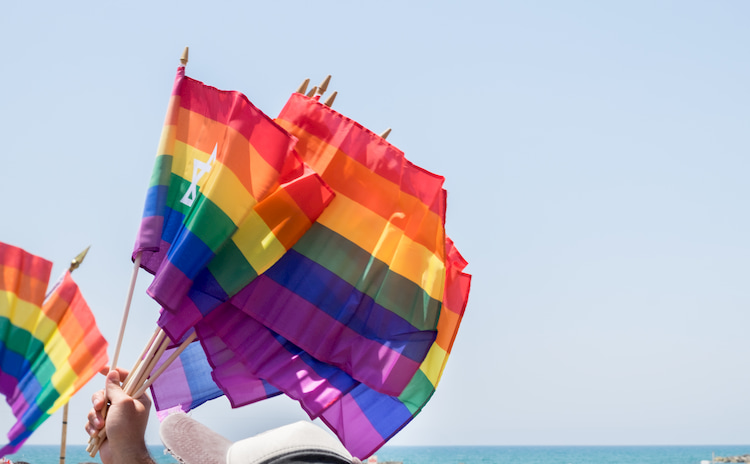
(75, 262)
(330, 99)
(324, 85)
(184, 57)
(312, 91)
(385, 133)
(303, 87)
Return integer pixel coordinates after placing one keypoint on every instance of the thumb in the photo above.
(114, 390)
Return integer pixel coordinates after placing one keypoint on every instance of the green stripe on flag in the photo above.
(231, 270)
(209, 223)
(20, 341)
(370, 276)
(162, 170)
(417, 392)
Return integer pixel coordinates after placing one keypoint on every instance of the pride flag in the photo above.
(228, 196)
(49, 348)
(358, 319)
(363, 288)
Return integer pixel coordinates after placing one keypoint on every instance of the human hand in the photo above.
(125, 424)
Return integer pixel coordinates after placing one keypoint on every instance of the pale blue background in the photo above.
(596, 156)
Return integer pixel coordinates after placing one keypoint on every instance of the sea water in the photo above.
(49, 454)
(556, 454)
(74, 454)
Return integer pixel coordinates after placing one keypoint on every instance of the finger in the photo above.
(106, 370)
(123, 372)
(95, 419)
(97, 399)
(91, 430)
(145, 400)
(113, 387)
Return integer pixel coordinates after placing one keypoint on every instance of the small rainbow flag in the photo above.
(49, 348)
(228, 196)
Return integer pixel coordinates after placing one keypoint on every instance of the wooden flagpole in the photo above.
(330, 99)
(126, 310)
(303, 87)
(136, 266)
(324, 85)
(159, 342)
(74, 263)
(123, 323)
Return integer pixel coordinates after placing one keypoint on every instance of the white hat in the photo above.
(302, 442)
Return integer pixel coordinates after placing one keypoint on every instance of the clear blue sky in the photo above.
(596, 156)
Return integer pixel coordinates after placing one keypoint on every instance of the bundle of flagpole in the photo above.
(321, 89)
(143, 372)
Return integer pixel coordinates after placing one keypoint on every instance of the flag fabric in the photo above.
(49, 348)
(365, 419)
(251, 363)
(227, 193)
(363, 288)
(188, 382)
(357, 320)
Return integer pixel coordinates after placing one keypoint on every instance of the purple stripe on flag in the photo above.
(14, 396)
(246, 357)
(240, 385)
(186, 383)
(18, 381)
(350, 424)
(170, 285)
(150, 243)
(17, 439)
(227, 333)
(243, 388)
(177, 324)
(149, 236)
(8, 384)
(169, 228)
(327, 339)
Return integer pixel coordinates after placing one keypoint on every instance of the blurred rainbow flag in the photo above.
(49, 347)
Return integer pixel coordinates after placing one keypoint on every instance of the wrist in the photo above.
(137, 454)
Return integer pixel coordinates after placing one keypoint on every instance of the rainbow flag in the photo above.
(49, 348)
(363, 288)
(228, 196)
(357, 320)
